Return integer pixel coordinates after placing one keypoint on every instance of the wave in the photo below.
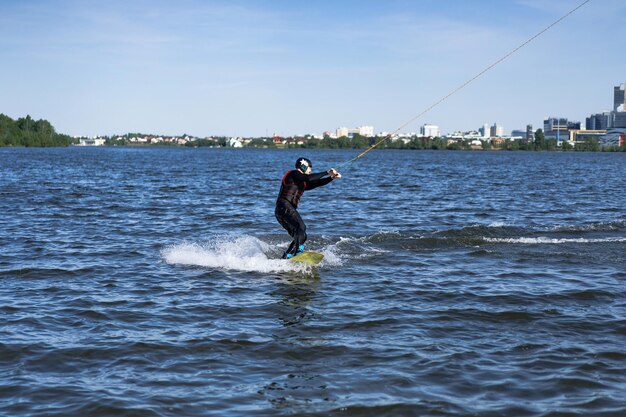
(499, 227)
(553, 241)
(475, 236)
(242, 253)
(251, 254)
(499, 224)
(41, 272)
(593, 227)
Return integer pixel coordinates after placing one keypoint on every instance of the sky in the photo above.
(261, 67)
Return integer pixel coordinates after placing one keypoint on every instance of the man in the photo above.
(293, 185)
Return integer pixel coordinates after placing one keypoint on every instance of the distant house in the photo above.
(476, 144)
(235, 142)
(91, 142)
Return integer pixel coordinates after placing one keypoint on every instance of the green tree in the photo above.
(551, 145)
(513, 145)
(589, 145)
(359, 141)
(540, 140)
(27, 132)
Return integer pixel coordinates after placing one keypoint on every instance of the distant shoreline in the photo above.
(605, 149)
(29, 133)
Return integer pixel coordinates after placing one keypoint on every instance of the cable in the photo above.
(460, 87)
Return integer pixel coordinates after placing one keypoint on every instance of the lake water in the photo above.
(145, 282)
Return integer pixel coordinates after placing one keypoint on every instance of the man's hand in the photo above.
(333, 173)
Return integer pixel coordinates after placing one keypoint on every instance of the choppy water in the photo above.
(144, 282)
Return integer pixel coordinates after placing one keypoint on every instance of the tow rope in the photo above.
(460, 87)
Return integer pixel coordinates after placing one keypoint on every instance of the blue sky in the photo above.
(259, 67)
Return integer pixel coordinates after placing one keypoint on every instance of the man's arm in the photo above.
(300, 177)
(318, 183)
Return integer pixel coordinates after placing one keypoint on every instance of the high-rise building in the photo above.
(618, 120)
(619, 98)
(530, 135)
(485, 131)
(573, 125)
(599, 121)
(613, 122)
(558, 128)
(497, 130)
(554, 124)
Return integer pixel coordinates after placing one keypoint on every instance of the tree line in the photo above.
(540, 143)
(26, 131)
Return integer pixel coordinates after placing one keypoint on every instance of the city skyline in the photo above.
(254, 69)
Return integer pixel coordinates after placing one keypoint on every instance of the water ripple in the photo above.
(145, 282)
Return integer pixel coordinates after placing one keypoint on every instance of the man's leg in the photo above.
(290, 219)
(290, 249)
(299, 234)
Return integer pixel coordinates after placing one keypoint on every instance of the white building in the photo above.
(458, 135)
(485, 131)
(366, 131)
(429, 131)
(91, 142)
(472, 134)
(235, 143)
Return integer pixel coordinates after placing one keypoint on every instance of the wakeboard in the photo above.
(308, 257)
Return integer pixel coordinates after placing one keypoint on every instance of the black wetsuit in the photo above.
(293, 185)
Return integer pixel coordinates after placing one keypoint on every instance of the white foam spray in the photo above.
(243, 253)
(331, 258)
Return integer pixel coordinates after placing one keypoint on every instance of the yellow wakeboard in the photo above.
(308, 257)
